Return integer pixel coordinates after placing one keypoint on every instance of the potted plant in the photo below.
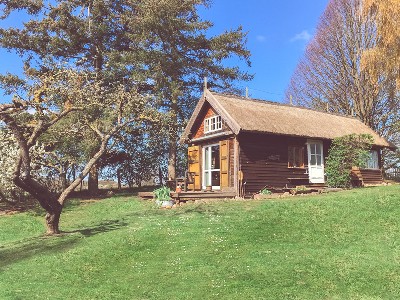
(263, 194)
(163, 197)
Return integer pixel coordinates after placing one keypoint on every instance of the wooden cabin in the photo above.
(242, 145)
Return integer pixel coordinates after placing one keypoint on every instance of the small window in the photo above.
(372, 161)
(212, 124)
(296, 157)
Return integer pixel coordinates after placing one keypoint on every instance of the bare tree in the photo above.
(331, 77)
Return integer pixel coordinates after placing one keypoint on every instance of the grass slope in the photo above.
(337, 246)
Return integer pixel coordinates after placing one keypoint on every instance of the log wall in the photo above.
(264, 162)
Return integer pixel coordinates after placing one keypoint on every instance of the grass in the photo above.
(342, 245)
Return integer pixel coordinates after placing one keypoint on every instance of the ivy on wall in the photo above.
(346, 152)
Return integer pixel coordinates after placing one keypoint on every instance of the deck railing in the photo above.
(393, 174)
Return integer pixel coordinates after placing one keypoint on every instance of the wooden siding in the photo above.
(362, 177)
(264, 162)
(207, 112)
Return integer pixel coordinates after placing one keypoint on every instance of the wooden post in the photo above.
(236, 167)
(247, 92)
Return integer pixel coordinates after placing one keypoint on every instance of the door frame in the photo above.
(203, 164)
(322, 166)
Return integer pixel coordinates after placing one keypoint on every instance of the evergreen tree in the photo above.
(181, 54)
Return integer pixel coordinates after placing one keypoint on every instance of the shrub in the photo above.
(346, 151)
(162, 193)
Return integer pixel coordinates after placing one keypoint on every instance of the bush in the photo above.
(346, 151)
(162, 193)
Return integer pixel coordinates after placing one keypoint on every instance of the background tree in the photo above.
(8, 153)
(384, 57)
(161, 45)
(137, 156)
(181, 54)
(330, 76)
(90, 34)
(102, 108)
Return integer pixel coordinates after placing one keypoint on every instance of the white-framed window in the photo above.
(212, 124)
(372, 161)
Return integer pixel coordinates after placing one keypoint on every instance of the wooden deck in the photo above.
(183, 196)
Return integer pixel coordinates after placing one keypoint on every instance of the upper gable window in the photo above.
(212, 124)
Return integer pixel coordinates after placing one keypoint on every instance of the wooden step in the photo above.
(203, 195)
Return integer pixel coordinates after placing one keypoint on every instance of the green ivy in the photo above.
(346, 151)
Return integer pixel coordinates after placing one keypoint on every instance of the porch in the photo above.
(193, 195)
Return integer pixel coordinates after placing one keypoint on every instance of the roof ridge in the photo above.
(263, 101)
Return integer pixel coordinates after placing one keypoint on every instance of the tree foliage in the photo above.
(9, 192)
(182, 53)
(331, 76)
(346, 152)
(163, 46)
(8, 154)
(99, 107)
(384, 57)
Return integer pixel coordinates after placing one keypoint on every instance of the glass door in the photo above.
(211, 166)
(316, 162)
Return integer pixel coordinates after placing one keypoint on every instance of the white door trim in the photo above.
(204, 183)
(316, 168)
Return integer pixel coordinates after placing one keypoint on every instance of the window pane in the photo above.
(313, 161)
(219, 122)
(215, 180)
(290, 157)
(318, 148)
(319, 160)
(297, 157)
(215, 157)
(372, 162)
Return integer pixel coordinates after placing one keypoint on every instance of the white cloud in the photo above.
(261, 38)
(302, 36)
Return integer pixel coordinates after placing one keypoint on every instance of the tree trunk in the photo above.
(119, 179)
(160, 175)
(172, 159)
(52, 222)
(63, 180)
(173, 138)
(93, 181)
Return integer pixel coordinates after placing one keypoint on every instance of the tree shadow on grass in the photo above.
(103, 227)
(47, 245)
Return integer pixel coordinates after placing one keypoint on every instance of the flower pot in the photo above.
(165, 203)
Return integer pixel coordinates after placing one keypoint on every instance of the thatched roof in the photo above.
(248, 115)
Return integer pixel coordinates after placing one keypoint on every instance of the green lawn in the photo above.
(342, 245)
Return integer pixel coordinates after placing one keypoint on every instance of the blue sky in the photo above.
(278, 32)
